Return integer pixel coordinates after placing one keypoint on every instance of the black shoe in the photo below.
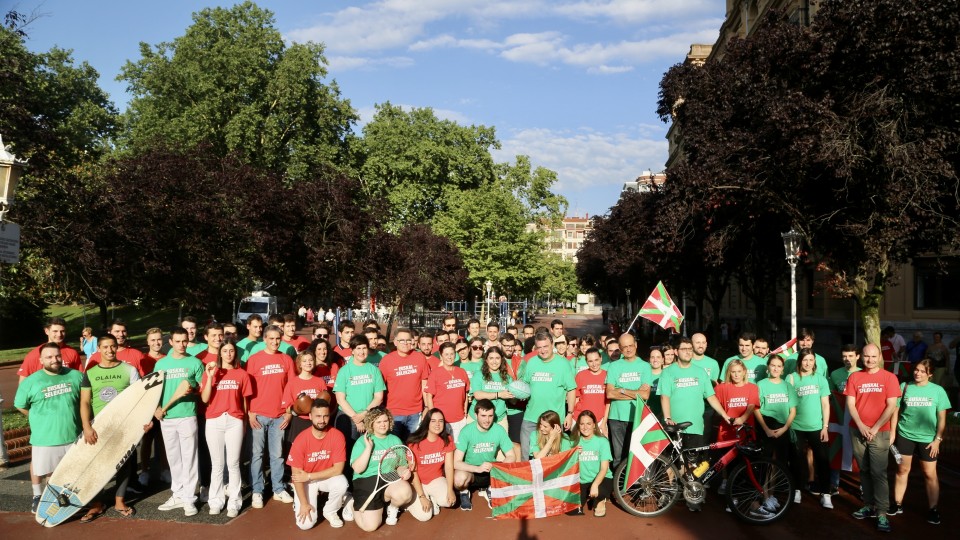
(577, 512)
(812, 489)
(35, 504)
(895, 508)
(933, 516)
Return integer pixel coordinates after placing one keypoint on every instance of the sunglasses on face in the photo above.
(477, 347)
(321, 336)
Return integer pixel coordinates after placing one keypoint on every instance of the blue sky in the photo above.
(571, 83)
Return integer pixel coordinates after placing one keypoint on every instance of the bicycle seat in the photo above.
(677, 428)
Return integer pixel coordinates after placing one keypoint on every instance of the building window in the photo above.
(936, 286)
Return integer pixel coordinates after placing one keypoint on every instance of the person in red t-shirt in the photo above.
(213, 334)
(871, 401)
(405, 373)
(290, 336)
(592, 390)
(433, 477)
(447, 390)
(304, 383)
(125, 353)
(56, 331)
(271, 371)
(226, 390)
(345, 331)
(316, 460)
(738, 398)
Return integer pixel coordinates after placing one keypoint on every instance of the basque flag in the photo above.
(537, 488)
(647, 442)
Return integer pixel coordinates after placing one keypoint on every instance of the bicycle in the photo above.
(759, 490)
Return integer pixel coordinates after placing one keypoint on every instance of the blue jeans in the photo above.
(271, 434)
(404, 426)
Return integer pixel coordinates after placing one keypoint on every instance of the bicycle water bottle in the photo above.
(703, 466)
(896, 454)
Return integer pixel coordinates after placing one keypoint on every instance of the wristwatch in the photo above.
(622, 392)
(939, 438)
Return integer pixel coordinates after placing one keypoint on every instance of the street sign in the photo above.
(9, 242)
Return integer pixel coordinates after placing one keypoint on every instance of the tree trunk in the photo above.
(869, 294)
(104, 313)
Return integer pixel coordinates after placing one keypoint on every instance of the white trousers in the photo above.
(436, 490)
(180, 441)
(335, 487)
(224, 437)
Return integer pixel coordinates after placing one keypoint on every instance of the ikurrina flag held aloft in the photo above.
(536, 488)
(787, 349)
(646, 443)
(660, 309)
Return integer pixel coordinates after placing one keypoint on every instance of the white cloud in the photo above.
(633, 11)
(585, 158)
(343, 63)
(367, 113)
(607, 70)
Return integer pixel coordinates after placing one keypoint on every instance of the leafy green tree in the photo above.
(231, 82)
(559, 278)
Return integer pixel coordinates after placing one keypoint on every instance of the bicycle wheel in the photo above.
(653, 493)
(760, 494)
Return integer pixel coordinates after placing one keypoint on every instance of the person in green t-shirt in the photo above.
(101, 383)
(596, 478)
(812, 422)
(178, 423)
(756, 367)
(804, 341)
(627, 379)
(778, 407)
(917, 428)
(701, 360)
(50, 399)
(683, 389)
(478, 447)
(551, 383)
(365, 463)
(549, 438)
(254, 336)
(359, 387)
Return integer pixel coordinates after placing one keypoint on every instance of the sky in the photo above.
(571, 83)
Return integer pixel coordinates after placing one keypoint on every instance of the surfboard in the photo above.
(86, 469)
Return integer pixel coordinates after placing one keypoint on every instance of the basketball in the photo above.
(303, 403)
(519, 389)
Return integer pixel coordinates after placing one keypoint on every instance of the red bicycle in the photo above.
(759, 490)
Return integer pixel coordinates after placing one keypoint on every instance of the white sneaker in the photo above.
(334, 520)
(215, 510)
(257, 500)
(171, 504)
(485, 494)
(393, 513)
(189, 509)
(826, 501)
(723, 487)
(283, 497)
(771, 504)
(348, 509)
(436, 507)
(232, 512)
(204, 494)
(796, 496)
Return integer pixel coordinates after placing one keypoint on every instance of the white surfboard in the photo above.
(86, 469)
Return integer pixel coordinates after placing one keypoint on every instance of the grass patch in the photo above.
(13, 419)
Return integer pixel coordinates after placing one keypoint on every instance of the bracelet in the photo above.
(422, 496)
(938, 438)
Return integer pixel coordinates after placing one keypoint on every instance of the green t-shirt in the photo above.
(654, 401)
(592, 452)
(178, 369)
(480, 447)
(776, 399)
(359, 383)
(54, 405)
(711, 366)
(495, 384)
(756, 368)
(374, 357)
(565, 443)
(196, 349)
(471, 367)
(790, 364)
(838, 378)
(629, 375)
(107, 383)
(809, 408)
(549, 383)
(579, 364)
(686, 388)
(379, 447)
(919, 406)
(250, 348)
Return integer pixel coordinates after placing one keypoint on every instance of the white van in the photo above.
(258, 303)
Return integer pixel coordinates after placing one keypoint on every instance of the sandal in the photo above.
(90, 516)
(125, 512)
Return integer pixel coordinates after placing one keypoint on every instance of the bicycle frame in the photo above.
(689, 457)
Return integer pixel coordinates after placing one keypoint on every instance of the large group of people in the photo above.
(324, 412)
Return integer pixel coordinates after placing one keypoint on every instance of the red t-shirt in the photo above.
(513, 365)
(591, 393)
(149, 363)
(299, 343)
(205, 356)
(430, 458)
(312, 386)
(449, 390)
(735, 401)
(871, 391)
(31, 362)
(270, 372)
(886, 349)
(311, 454)
(433, 362)
(231, 387)
(404, 378)
(128, 355)
(344, 353)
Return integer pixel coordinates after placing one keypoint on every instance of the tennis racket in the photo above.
(393, 460)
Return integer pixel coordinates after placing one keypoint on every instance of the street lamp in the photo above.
(629, 310)
(791, 246)
(10, 168)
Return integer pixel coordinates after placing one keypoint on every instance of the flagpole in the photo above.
(633, 322)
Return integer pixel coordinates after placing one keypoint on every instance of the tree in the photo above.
(849, 134)
(559, 278)
(230, 81)
(417, 162)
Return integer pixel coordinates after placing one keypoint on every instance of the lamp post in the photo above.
(791, 246)
(488, 290)
(629, 310)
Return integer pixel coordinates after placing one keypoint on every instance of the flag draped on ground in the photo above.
(536, 488)
(646, 443)
(660, 309)
(787, 349)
